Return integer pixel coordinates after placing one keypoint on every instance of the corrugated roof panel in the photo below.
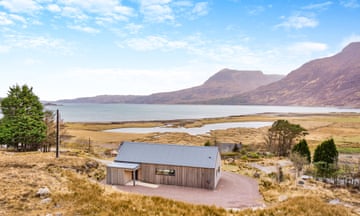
(177, 155)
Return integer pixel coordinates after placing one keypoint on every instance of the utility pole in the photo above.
(57, 133)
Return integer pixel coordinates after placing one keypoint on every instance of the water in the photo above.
(193, 131)
(80, 112)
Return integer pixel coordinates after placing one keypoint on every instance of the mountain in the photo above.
(100, 99)
(224, 83)
(331, 81)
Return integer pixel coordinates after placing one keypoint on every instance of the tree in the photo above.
(326, 152)
(281, 136)
(303, 149)
(325, 158)
(299, 161)
(50, 138)
(22, 125)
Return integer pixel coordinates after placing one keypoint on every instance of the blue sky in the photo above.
(74, 48)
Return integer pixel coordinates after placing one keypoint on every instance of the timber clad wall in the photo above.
(184, 176)
(117, 176)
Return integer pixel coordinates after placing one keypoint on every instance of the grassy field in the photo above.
(75, 190)
(75, 185)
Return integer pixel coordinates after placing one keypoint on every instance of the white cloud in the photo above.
(18, 18)
(200, 9)
(153, 43)
(103, 8)
(307, 48)
(16, 6)
(352, 38)
(156, 10)
(298, 22)
(133, 28)
(10, 19)
(54, 8)
(183, 4)
(86, 29)
(256, 10)
(350, 3)
(319, 6)
(37, 42)
(5, 19)
(74, 13)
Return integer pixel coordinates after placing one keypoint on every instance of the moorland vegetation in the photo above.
(75, 179)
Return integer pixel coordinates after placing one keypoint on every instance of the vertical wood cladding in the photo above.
(117, 176)
(184, 176)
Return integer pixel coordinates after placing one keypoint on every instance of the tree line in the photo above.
(280, 141)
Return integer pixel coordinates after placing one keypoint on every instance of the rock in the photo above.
(334, 202)
(256, 175)
(92, 164)
(230, 160)
(282, 198)
(45, 201)
(43, 192)
(301, 182)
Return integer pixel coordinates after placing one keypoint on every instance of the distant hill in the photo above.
(100, 99)
(331, 81)
(224, 83)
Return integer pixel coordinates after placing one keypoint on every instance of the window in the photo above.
(168, 172)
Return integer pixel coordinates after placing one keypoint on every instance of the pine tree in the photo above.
(325, 158)
(281, 136)
(303, 149)
(22, 125)
(326, 152)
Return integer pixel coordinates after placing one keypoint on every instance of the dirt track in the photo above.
(233, 191)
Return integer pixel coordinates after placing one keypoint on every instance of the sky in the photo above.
(79, 48)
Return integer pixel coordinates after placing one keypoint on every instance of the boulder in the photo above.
(45, 201)
(43, 192)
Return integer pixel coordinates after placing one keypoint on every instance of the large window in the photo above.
(168, 172)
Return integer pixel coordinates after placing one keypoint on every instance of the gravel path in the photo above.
(233, 191)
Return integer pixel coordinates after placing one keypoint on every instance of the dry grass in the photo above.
(74, 191)
(22, 174)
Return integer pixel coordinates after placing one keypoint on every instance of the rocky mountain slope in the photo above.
(331, 81)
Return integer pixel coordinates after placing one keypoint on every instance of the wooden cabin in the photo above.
(190, 166)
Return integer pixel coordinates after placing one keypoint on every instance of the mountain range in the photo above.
(330, 81)
(224, 83)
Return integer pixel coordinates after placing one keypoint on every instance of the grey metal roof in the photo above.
(131, 166)
(178, 155)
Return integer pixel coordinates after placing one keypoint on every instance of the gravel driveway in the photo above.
(233, 191)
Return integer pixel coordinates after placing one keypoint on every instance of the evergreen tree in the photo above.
(303, 149)
(22, 125)
(325, 158)
(281, 136)
(326, 152)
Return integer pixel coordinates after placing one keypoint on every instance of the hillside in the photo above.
(331, 81)
(224, 83)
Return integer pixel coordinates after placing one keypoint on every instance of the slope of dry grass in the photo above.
(75, 191)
